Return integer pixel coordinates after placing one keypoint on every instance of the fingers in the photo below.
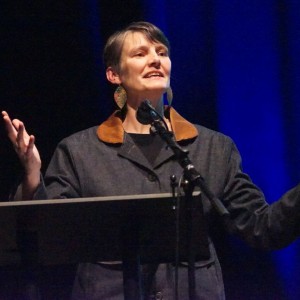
(30, 144)
(6, 118)
(11, 126)
(17, 133)
(23, 143)
(20, 142)
(4, 113)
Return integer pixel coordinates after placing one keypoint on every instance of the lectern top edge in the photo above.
(89, 199)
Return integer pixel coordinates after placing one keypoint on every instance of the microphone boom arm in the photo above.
(190, 173)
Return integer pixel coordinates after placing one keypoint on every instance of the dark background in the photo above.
(236, 69)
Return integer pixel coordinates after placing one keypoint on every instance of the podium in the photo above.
(132, 229)
(68, 231)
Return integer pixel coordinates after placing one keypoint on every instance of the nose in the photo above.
(154, 60)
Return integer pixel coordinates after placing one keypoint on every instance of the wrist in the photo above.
(30, 183)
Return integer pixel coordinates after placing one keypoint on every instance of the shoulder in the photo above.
(206, 134)
(83, 137)
(215, 143)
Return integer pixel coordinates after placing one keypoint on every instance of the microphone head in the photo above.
(143, 114)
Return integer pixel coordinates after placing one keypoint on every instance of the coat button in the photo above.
(151, 177)
(158, 296)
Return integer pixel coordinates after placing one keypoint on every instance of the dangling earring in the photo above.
(169, 96)
(120, 96)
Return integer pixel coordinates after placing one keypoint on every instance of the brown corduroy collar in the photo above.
(111, 130)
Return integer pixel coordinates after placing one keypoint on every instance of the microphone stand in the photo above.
(159, 126)
(191, 175)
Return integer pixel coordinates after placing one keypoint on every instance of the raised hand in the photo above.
(24, 145)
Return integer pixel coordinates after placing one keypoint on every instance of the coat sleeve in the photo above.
(61, 178)
(251, 217)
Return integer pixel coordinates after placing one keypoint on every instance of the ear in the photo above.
(112, 76)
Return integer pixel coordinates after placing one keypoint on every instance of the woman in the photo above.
(122, 151)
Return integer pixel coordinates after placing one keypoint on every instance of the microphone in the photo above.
(146, 113)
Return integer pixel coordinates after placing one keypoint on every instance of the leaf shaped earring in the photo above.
(120, 96)
(169, 96)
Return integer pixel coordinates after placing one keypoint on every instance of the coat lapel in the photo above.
(111, 130)
(132, 152)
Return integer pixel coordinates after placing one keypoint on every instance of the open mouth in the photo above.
(153, 75)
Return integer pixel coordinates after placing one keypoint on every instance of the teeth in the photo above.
(153, 75)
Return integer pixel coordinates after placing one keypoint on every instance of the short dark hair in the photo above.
(114, 45)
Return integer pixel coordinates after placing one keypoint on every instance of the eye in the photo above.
(139, 54)
(162, 52)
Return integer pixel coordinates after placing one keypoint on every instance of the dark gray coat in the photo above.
(105, 161)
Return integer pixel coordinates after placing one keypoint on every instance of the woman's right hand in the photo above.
(24, 145)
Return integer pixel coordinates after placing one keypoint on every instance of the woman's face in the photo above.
(145, 67)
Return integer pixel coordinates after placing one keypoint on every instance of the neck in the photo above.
(132, 125)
